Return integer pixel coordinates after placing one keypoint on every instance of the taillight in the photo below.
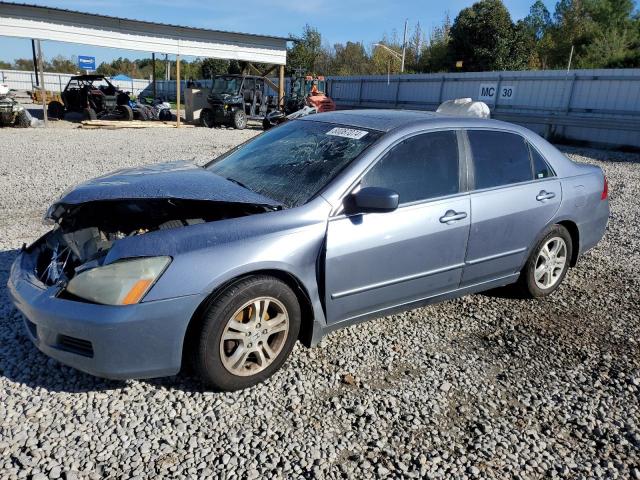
(605, 189)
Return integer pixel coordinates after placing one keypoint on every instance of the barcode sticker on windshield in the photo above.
(347, 133)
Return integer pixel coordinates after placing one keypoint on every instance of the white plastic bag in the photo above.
(465, 107)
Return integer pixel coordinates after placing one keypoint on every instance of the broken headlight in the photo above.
(121, 283)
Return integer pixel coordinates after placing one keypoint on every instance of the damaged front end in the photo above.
(84, 233)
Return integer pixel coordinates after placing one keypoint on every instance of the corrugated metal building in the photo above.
(598, 106)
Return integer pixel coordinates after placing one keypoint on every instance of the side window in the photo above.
(541, 168)
(249, 84)
(499, 158)
(421, 167)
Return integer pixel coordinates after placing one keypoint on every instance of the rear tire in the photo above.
(22, 120)
(142, 114)
(238, 348)
(165, 115)
(126, 113)
(207, 118)
(239, 120)
(548, 263)
(55, 110)
(89, 114)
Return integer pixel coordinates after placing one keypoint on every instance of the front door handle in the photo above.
(544, 195)
(451, 216)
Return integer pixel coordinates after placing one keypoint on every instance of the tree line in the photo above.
(482, 37)
(138, 68)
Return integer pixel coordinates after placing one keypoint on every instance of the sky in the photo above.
(337, 20)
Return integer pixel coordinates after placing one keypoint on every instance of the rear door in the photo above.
(379, 260)
(515, 196)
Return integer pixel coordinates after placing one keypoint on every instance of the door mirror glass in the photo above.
(372, 199)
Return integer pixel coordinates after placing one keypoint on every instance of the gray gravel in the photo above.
(483, 386)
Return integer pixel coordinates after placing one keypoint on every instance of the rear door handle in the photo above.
(544, 195)
(451, 216)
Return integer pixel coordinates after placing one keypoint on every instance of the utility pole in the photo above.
(153, 75)
(35, 61)
(43, 88)
(404, 45)
(177, 91)
(570, 58)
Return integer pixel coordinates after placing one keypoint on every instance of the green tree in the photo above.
(305, 52)
(435, 55)
(616, 49)
(105, 69)
(573, 28)
(603, 33)
(383, 61)
(23, 64)
(484, 38)
(351, 59)
(538, 21)
(610, 13)
(535, 33)
(62, 64)
(213, 66)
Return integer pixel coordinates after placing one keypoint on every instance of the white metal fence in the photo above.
(26, 80)
(601, 106)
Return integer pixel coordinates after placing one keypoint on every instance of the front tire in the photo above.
(55, 109)
(89, 114)
(22, 120)
(207, 118)
(248, 333)
(126, 113)
(239, 119)
(548, 263)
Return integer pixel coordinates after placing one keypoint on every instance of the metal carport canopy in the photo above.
(45, 23)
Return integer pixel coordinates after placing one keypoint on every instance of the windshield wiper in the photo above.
(279, 206)
(238, 182)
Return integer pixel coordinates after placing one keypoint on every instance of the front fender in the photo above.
(202, 271)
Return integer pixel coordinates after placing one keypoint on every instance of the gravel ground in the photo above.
(483, 386)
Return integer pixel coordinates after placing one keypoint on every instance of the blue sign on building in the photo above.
(86, 63)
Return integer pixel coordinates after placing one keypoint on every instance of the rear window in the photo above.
(499, 158)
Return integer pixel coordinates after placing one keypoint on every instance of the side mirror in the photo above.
(372, 199)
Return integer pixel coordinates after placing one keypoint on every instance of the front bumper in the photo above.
(118, 342)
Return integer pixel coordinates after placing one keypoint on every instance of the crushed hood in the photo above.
(178, 180)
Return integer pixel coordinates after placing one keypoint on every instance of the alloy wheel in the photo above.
(550, 263)
(254, 336)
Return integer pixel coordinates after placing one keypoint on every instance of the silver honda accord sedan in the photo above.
(320, 223)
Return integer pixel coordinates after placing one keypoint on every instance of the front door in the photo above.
(376, 261)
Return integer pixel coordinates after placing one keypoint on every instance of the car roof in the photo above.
(387, 120)
(88, 77)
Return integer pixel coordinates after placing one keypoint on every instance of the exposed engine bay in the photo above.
(84, 233)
